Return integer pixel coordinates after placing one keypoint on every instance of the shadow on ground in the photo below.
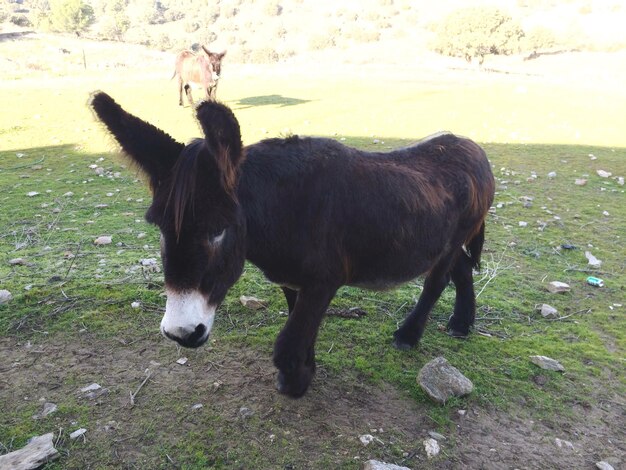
(268, 100)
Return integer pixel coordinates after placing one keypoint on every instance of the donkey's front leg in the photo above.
(294, 351)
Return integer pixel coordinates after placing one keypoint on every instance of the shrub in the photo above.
(472, 33)
(70, 15)
(20, 20)
(539, 38)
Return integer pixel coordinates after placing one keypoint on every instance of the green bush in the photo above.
(472, 33)
(70, 16)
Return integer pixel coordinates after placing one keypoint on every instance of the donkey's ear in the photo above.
(152, 149)
(223, 138)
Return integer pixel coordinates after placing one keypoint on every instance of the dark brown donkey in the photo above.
(201, 70)
(313, 215)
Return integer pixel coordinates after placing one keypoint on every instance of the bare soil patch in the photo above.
(240, 407)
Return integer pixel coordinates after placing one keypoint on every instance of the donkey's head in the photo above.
(214, 64)
(195, 206)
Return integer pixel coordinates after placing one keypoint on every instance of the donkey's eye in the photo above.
(216, 237)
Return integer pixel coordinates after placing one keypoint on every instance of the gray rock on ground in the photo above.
(377, 465)
(442, 381)
(547, 363)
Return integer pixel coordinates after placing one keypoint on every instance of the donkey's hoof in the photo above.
(294, 385)
(458, 333)
(400, 345)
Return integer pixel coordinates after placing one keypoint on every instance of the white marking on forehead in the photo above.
(216, 76)
(184, 311)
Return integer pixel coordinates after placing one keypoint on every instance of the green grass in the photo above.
(69, 285)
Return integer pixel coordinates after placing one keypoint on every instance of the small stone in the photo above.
(90, 388)
(68, 194)
(216, 385)
(32, 194)
(182, 361)
(48, 409)
(252, 302)
(521, 223)
(437, 436)
(593, 261)
(562, 443)
(602, 465)
(5, 296)
(604, 174)
(557, 287)
(104, 240)
(462, 412)
(141, 235)
(377, 465)
(197, 406)
(605, 213)
(431, 446)
(17, 262)
(620, 180)
(442, 381)
(135, 304)
(552, 175)
(548, 311)
(547, 363)
(366, 439)
(76, 434)
(245, 412)
(580, 182)
(99, 171)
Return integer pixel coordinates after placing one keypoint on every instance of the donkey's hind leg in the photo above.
(411, 330)
(465, 304)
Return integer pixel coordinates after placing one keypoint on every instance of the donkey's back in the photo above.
(318, 209)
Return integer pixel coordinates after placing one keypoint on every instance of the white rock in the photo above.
(135, 304)
(462, 412)
(605, 213)
(548, 311)
(17, 262)
(562, 443)
(547, 363)
(68, 194)
(602, 465)
(366, 439)
(141, 235)
(252, 302)
(436, 436)
(580, 182)
(521, 223)
(604, 174)
(593, 261)
(431, 446)
(377, 465)
(32, 193)
(91, 388)
(48, 409)
(182, 361)
(197, 406)
(5, 296)
(79, 432)
(104, 240)
(557, 287)
(38, 451)
(552, 175)
(620, 180)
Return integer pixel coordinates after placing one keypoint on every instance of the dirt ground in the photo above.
(327, 422)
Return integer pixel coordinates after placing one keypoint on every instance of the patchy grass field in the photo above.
(71, 322)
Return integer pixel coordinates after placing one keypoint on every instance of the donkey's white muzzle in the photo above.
(188, 318)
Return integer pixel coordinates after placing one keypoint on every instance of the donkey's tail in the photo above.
(475, 246)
